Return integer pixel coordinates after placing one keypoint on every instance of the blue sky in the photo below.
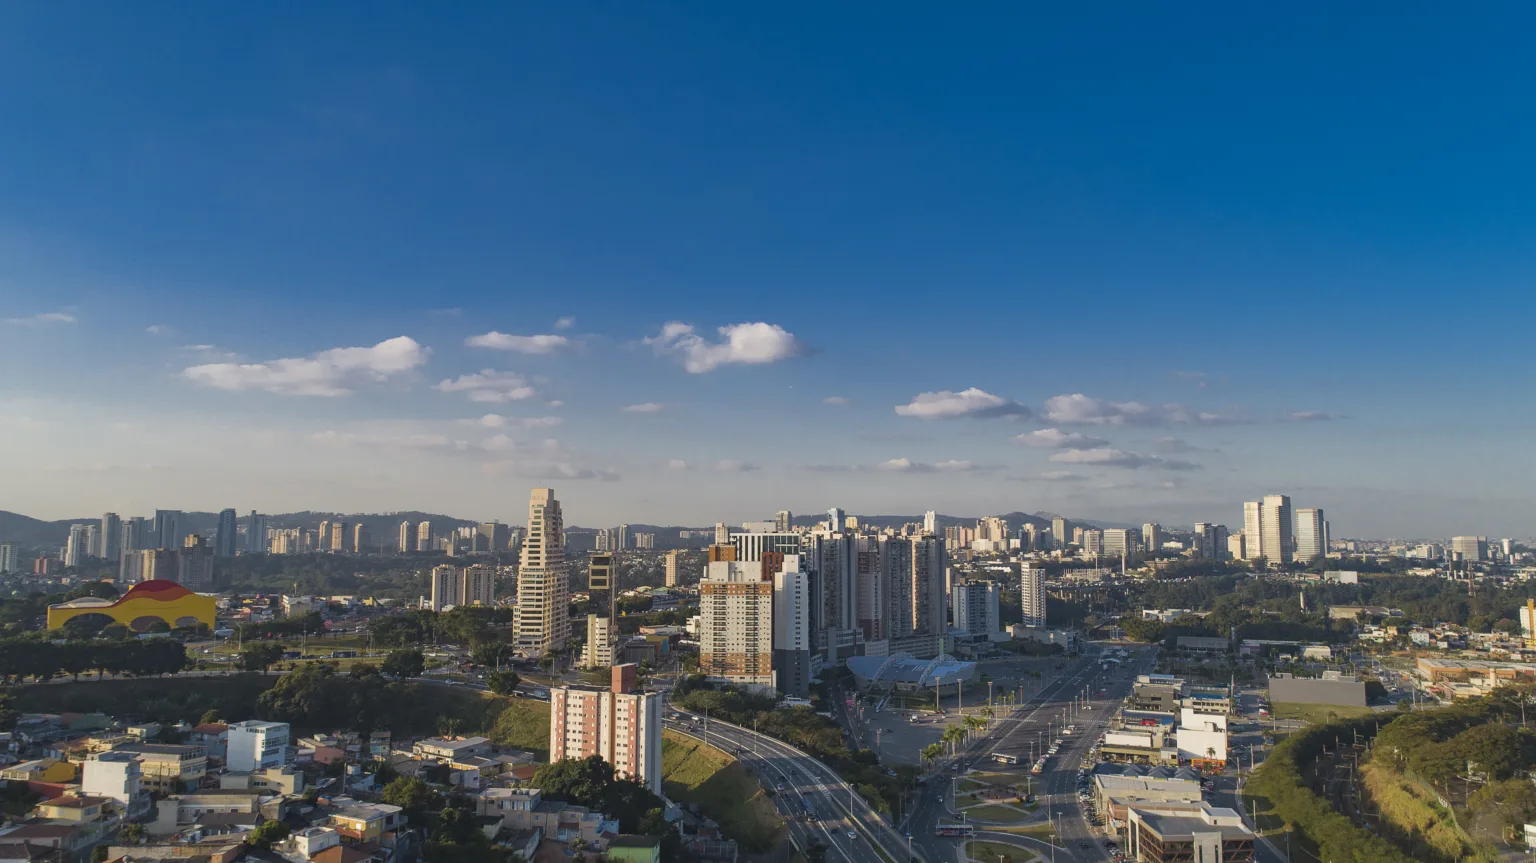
(1294, 249)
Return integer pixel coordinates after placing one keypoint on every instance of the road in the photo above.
(796, 776)
(1024, 732)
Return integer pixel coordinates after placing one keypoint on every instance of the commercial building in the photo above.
(792, 594)
(1202, 738)
(1473, 549)
(903, 671)
(736, 625)
(255, 745)
(109, 539)
(619, 724)
(1210, 836)
(194, 565)
(225, 534)
(975, 605)
(167, 530)
(1119, 541)
(1275, 540)
(142, 606)
(255, 533)
(1331, 688)
(1032, 596)
(169, 768)
(543, 587)
(602, 623)
(752, 546)
(1311, 534)
(406, 541)
(1060, 533)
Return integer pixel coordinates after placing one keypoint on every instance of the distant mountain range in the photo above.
(35, 533)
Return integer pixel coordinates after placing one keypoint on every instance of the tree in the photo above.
(410, 794)
(408, 662)
(267, 834)
(932, 753)
(260, 656)
(503, 682)
(490, 654)
(209, 716)
(131, 834)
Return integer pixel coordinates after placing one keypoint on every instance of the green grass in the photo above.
(1316, 714)
(695, 772)
(993, 852)
(521, 723)
(994, 812)
(1043, 832)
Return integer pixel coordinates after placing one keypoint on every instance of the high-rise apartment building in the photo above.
(1237, 546)
(645, 540)
(930, 522)
(406, 540)
(792, 596)
(752, 546)
(137, 535)
(424, 536)
(736, 625)
(672, 575)
(783, 521)
(543, 586)
(150, 564)
(1060, 532)
(1152, 537)
(1276, 529)
(9, 562)
(620, 725)
(975, 607)
(447, 587)
(478, 585)
(255, 533)
(722, 534)
(602, 623)
(837, 519)
(1470, 548)
(362, 540)
(1032, 598)
(79, 546)
(498, 536)
(168, 532)
(224, 534)
(194, 565)
(109, 539)
(622, 538)
(1253, 529)
(1311, 534)
(337, 542)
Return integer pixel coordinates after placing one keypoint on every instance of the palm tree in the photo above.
(952, 734)
(931, 753)
(974, 723)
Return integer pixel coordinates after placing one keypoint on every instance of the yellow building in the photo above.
(145, 604)
(45, 770)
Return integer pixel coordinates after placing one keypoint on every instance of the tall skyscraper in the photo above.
(406, 541)
(1310, 534)
(478, 585)
(673, 576)
(736, 625)
(168, 532)
(752, 546)
(323, 536)
(194, 565)
(602, 627)
(224, 534)
(1237, 546)
(338, 539)
(930, 615)
(1253, 529)
(975, 606)
(543, 585)
(362, 540)
(1092, 541)
(1152, 537)
(783, 521)
(623, 538)
(9, 562)
(1275, 535)
(930, 522)
(1032, 595)
(498, 536)
(722, 534)
(255, 533)
(424, 536)
(792, 628)
(109, 539)
(1470, 548)
(837, 520)
(1060, 532)
(602, 540)
(150, 564)
(78, 548)
(620, 725)
(1119, 541)
(447, 587)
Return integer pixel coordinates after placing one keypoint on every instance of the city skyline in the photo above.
(989, 272)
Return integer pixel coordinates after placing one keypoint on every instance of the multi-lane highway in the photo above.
(843, 820)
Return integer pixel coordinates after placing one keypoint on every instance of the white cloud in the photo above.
(44, 318)
(902, 465)
(966, 403)
(336, 372)
(644, 408)
(1313, 417)
(157, 329)
(392, 441)
(556, 403)
(497, 443)
(565, 323)
(741, 344)
(1078, 409)
(835, 400)
(676, 464)
(489, 385)
(1173, 445)
(496, 421)
(1110, 457)
(734, 466)
(1058, 439)
(210, 352)
(552, 470)
(519, 344)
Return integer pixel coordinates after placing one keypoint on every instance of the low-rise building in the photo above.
(166, 768)
(526, 808)
(1211, 836)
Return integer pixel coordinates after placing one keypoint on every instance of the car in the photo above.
(1109, 843)
(853, 834)
(941, 798)
(1085, 844)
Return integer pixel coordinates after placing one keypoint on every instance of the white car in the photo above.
(853, 834)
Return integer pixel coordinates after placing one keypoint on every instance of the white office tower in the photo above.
(79, 546)
(1032, 595)
(672, 575)
(1253, 529)
(1093, 541)
(752, 546)
(424, 536)
(406, 540)
(783, 521)
(1470, 548)
(109, 539)
(255, 745)
(837, 520)
(1237, 546)
(1119, 541)
(1275, 537)
(479, 585)
(619, 724)
(114, 775)
(1311, 534)
(975, 607)
(543, 587)
(1059, 531)
(736, 625)
(168, 532)
(446, 586)
(602, 629)
(623, 538)
(255, 534)
(722, 534)
(930, 522)
(8, 560)
(792, 628)
(1202, 738)
(1152, 537)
